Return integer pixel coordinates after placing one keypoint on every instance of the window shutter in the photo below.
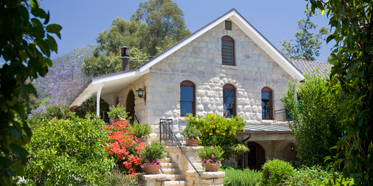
(227, 50)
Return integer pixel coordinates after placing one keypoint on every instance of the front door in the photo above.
(130, 107)
(256, 157)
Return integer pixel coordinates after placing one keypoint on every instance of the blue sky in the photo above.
(82, 20)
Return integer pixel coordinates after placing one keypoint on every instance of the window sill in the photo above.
(229, 67)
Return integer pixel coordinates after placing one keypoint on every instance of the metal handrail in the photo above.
(178, 143)
(135, 117)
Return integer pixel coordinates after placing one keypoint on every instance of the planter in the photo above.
(191, 142)
(114, 120)
(139, 140)
(212, 167)
(152, 169)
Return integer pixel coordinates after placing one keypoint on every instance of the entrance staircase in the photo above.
(181, 165)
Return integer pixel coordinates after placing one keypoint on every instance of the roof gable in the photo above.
(247, 28)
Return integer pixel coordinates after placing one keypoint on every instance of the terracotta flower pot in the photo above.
(114, 120)
(152, 169)
(139, 140)
(191, 142)
(212, 167)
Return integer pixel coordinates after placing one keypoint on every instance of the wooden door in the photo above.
(256, 156)
(130, 107)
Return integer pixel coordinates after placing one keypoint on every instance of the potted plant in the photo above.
(211, 157)
(117, 113)
(141, 131)
(191, 135)
(151, 155)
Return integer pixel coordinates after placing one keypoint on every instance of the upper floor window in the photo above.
(227, 50)
(267, 103)
(228, 25)
(229, 100)
(187, 98)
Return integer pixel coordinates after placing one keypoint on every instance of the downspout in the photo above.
(98, 100)
(243, 155)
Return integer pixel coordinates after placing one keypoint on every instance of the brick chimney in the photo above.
(125, 58)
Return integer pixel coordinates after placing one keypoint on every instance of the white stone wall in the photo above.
(200, 62)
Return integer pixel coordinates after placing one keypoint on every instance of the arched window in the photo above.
(267, 103)
(229, 100)
(227, 50)
(187, 98)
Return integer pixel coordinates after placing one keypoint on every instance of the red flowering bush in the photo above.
(124, 148)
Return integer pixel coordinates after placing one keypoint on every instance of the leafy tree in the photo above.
(155, 26)
(307, 44)
(63, 83)
(165, 22)
(25, 46)
(352, 25)
(316, 118)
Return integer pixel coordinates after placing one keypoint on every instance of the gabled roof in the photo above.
(307, 66)
(247, 28)
(115, 82)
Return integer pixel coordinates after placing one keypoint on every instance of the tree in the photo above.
(352, 25)
(165, 22)
(64, 83)
(316, 118)
(307, 44)
(155, 26)
(25, 45)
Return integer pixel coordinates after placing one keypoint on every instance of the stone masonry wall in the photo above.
(200, 61)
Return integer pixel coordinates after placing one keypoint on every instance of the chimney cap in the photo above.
(125, 51)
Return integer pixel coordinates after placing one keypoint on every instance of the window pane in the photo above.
(252, 156)
(228, 96)
(228, 110)
(265, 95)
(227, 53)
(186, 93)
(266, 112)
(186, 108)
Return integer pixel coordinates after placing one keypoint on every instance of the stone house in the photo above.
(226, 67)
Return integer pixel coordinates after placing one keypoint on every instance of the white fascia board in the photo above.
(97, 80)
(185, 42)
(266, 46)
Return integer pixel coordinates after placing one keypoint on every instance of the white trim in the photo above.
(102, 79)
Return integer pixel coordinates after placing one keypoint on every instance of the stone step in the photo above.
(168, 165)
(175, 177)
(173, 183)
(171, 171)
(166, 160)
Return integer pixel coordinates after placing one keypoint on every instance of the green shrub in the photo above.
(237, 177)
(217, 130)
(68, 151)
(117, 112)
(275, 172)
(308, 176)
(317, 118)
(89, 107)
(141, 130)
(116, 177)
(338, 182)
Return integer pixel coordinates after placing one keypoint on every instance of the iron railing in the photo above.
(166, 124)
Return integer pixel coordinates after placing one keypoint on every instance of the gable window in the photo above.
(229, 100)
(267, 103)
(228, 25)
(187, 98)
(227, 50)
